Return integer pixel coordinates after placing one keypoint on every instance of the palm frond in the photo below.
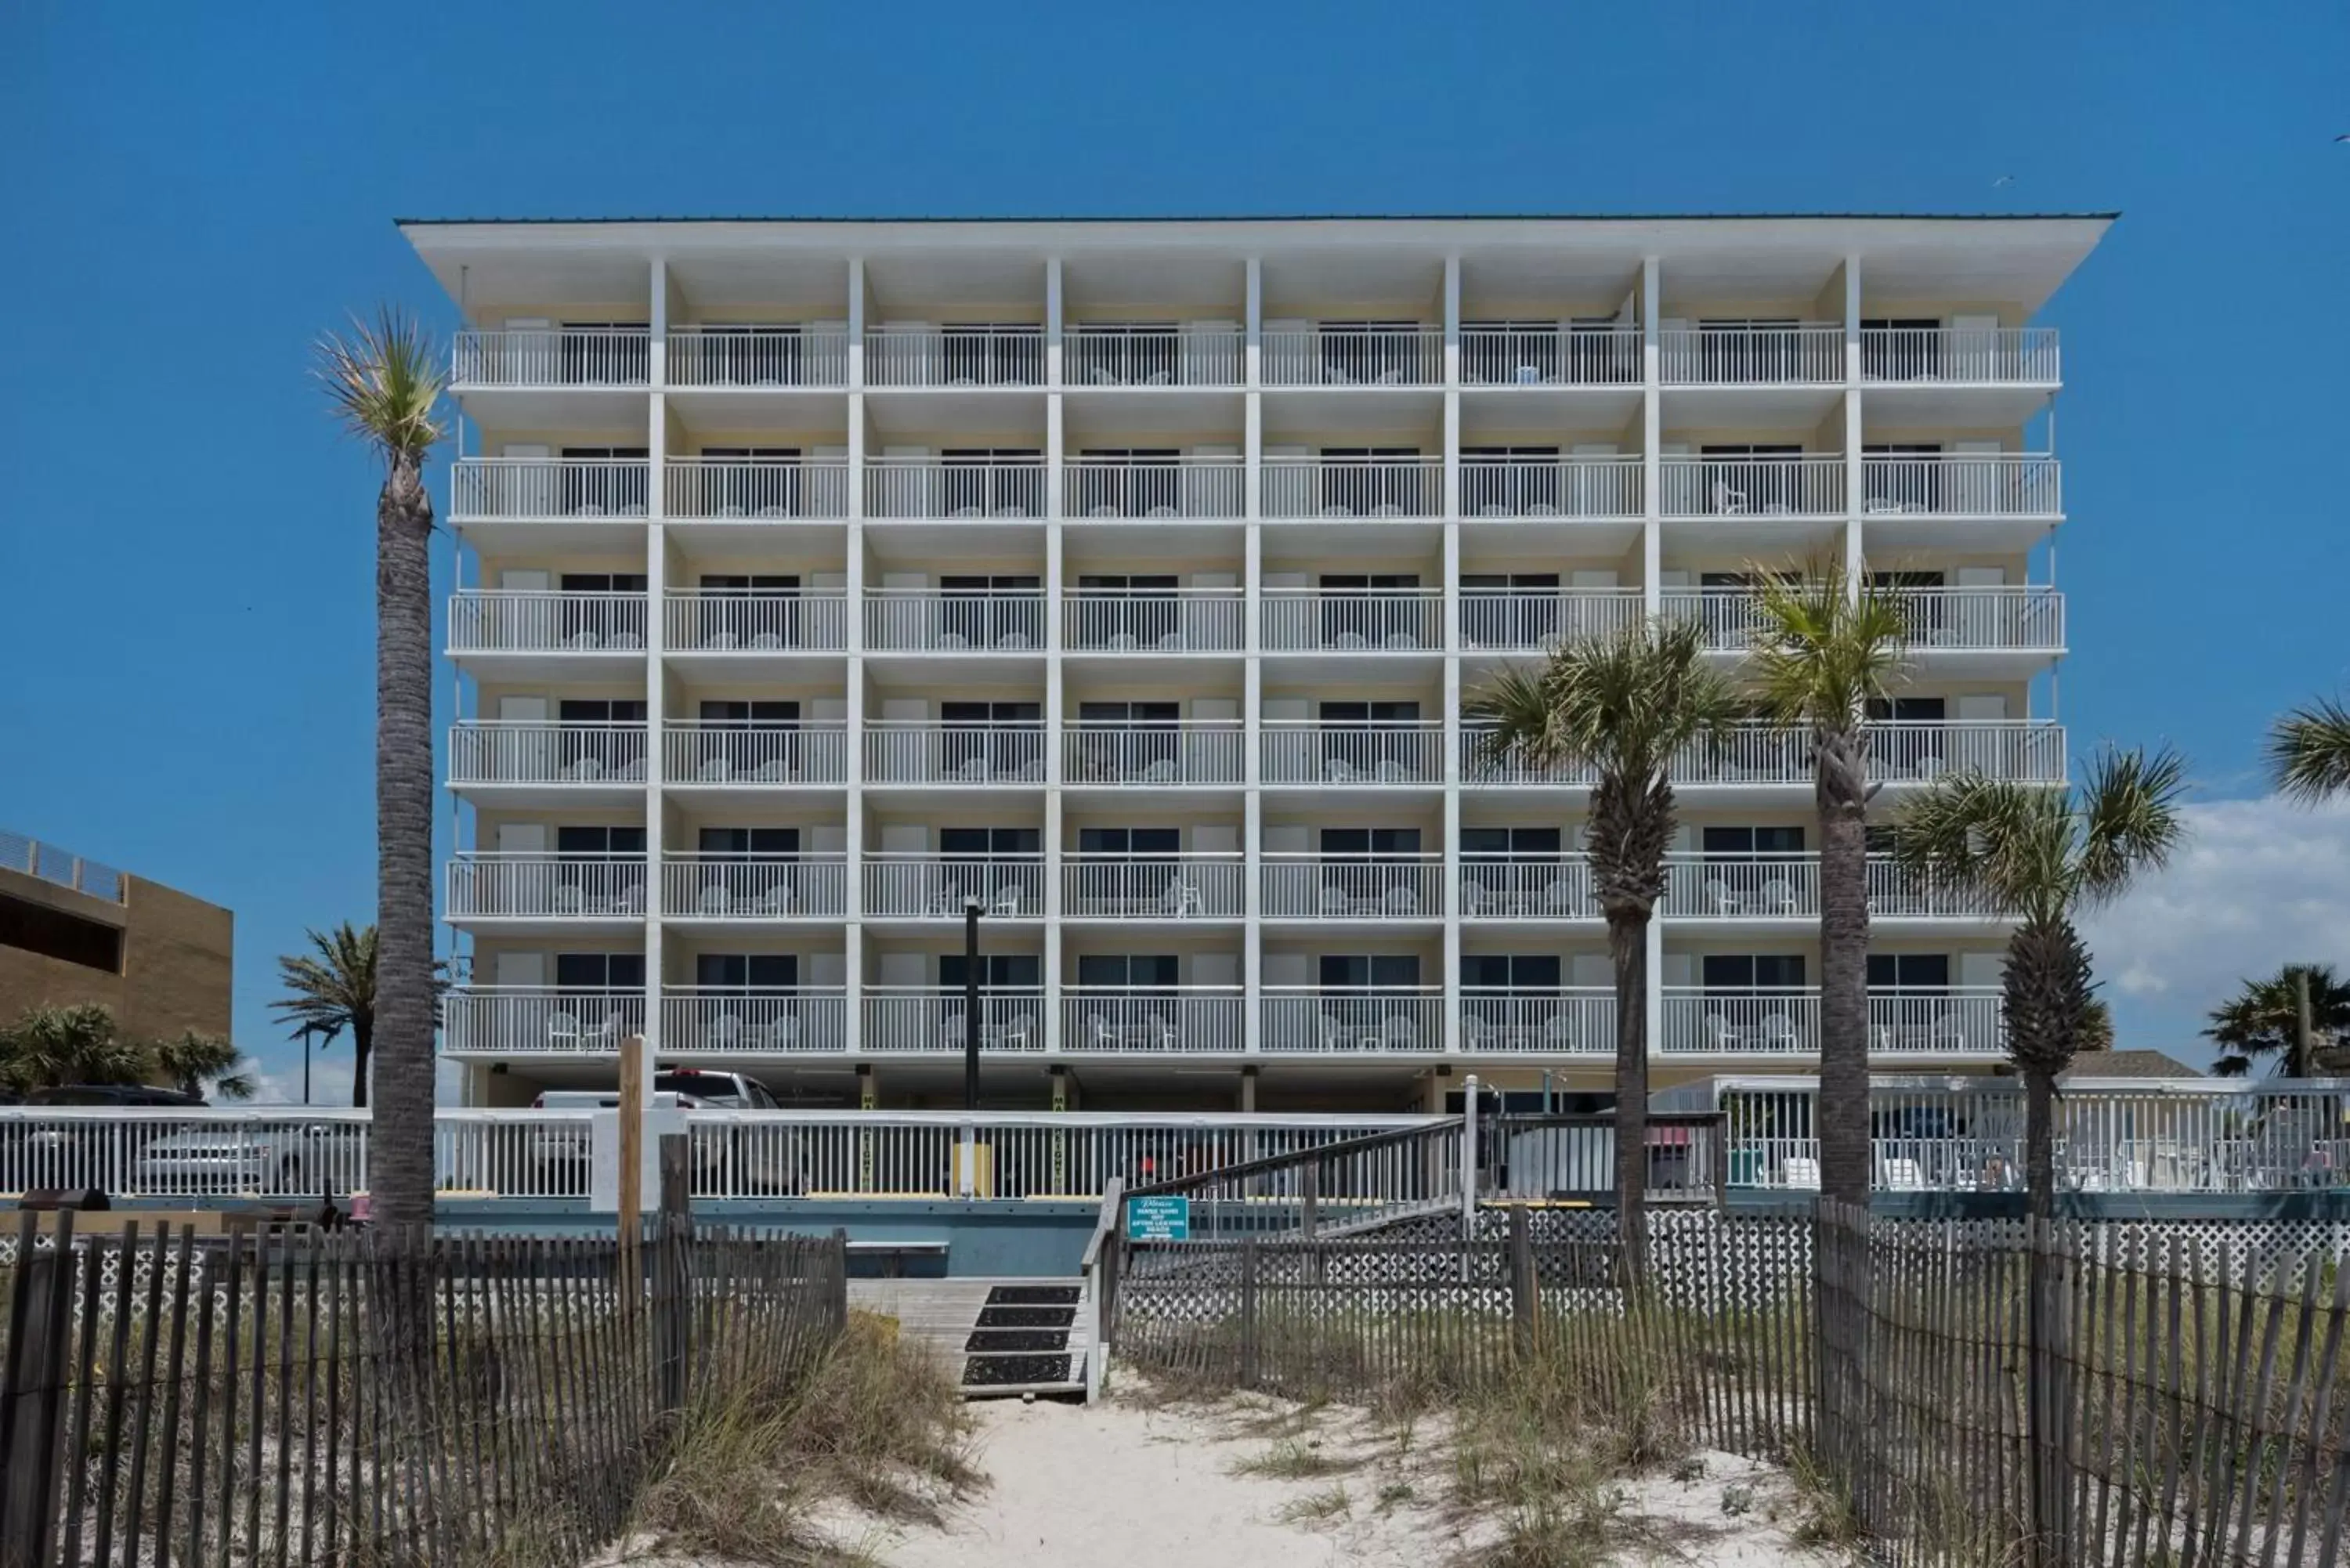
(384, 380)
(1626, 702)
(2130, 820)
(2308, 751)
(195, 1060)
(1827, 646)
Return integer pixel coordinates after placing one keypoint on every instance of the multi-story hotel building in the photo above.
(821, 577)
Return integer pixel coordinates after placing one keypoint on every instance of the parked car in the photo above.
(741, 1159)
(270, 1159)
(84, 1151)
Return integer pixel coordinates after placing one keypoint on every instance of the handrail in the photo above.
(1336, 1150)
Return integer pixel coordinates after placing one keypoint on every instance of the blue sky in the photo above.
(195, 192)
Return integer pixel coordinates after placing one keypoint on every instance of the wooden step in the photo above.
(996, 1336)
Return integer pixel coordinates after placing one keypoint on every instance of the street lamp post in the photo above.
(307, 1032)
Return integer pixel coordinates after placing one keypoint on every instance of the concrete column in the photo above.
(1652, 436)
(655, 679)
(1854, 473)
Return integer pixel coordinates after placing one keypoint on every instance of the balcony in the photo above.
(539, 1019)
(1528, 888)
(2027, 750)
(1306, 620)
(757, 359)
(1198, 1019)
(551, 357)
(1193, 354)
(1512, 769)
(1516, 620)
(749, 755)
(1353, 357)
(925, 620)
(940, 887)
(929, 1019)
(530, 622)
(1575, 489)
(1959, 484)
(1178, 621)
(754, 887)
(731, 490)
(1352, 886)
(1385, 488)
(954, 357)
(923, 752)
(940, 488)
(696, 1018)
(1964, 355)
(1806, 353)
(532, 887)
(1107, 489)
(492, 753)
(1333, 1021)
(1573, 1021)
(1763, 887)
(1311, 751)
(1786, 1022)
(1196, 886)
(754, 621)
(1123, 754)
(1575, 356)
(546, 489)
(2025, 620)
(1756, 488)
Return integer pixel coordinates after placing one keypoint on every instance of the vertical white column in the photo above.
(1253, 664)
(1055, 695)
(1449, 896)
(852, 933)
(1652, 555)
(1854, 468)
(656, 665)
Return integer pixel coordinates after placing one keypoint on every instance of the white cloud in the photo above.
(278, 1081)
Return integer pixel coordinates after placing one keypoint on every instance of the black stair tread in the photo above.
(1027, 1316)
(987, 1340)
(982, 1371)
(1032, 1295)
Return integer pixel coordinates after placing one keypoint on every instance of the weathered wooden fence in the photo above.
(322, 1399)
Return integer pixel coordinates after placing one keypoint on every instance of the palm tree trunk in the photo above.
(400, 1155)
(1628, 951)
(2040, 1143)
(1842, 1113)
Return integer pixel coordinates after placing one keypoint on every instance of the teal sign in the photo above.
(1159, 1218)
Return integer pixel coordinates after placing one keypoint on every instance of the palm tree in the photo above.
(384, 382)
(1829, 647)
(2309, 751)
(2044, 855)
(2096, 1026)
(2263, 1022)
(1625, 706)
(48, 1047)
(334, 990)
(195, 1061)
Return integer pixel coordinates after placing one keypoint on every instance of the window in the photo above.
(601, 490)
(606, 351)
(983, 738)
(598, 843)
(740, 843)
(1359, 971)
(1135, 841)
(1124, 354)
(1370, 712)
(761, 609)
(54, 933)
(991, 611)
(1371, 841)
(981, 843)
(1748, 476)
(1763, 348)
(1375, 352)
(1504, 844)
(1510, 610)
(1509, 480)
(1908, 709)
(1347, 621)
(754, 481)
(1510, 971)
(599, 972)
(1738, 843)
(601, 710)
(757, 972)
(1910, 971)
(1902, 476)
(749, 355)
(1900, 349)
(1128, 971)
(763, 714)
(1375, 481)
(992, 482)
(998, 972)
(991, 354)
(1141, 610)
(609, 751)
(1752, 972)
(1496, 353)
(1126, 481)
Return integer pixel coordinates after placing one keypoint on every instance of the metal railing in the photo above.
(939, 621)
(1575, 356)
(932, 1018)
(552, 356)
(488, 885)
(1537, 488)
(534, 1020)
(1787, 886)
(1758, 1021)
(1528, 888)
(938, 887)
(1308, 751)
(1511, 768)
(2030, 618)
(1107, 489)
(1573, 1021)
(1352, 886)
(1894, 894)
(1353, 357)
(547, 489)
(740, 490)
(732, 751)
(696, 1018)
(1810, 351)
(1151, 887)
(1520, 620)
(1340, 621)
(531, 752)
(1377, 487)
(747, 887)
(1809, 486)
(511, 620)
(1179, 355)
(954, 487)
(2029, 750)
(954, 357)
(184, 1154)
(757, 357)
(1996, 354)
(1328, 1020)
(1176, 621)
(1109, 1019)
(756, 620)
(1152, 752)
(921, 751)
(1942, 1021)
(1960, 484)
(50, 864)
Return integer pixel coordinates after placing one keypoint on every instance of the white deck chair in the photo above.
(1800, 1173)
(1903, 1175)
(563, 1032)
(1727, 502)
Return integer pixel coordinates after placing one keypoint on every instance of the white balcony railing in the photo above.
(1520, 620)
(901, 752)
(1573, 1021)
(1333, 621)
(725, 752)
(1608, 486)
(940, 887)
(1144, 753)
(1960, 485)
(748, 886)
(1107, 489)
(1107, 1021)
(509, 751)
(932, 1018)
(1192, 886)
(927, 621)
(2025, 355)
(757, 357)
(2027, 750)
(484, 884)
(1353, 357)
(1574, 356)
(1345, 1020)
(552, 356)
(1192, 354)
(1329, 486)
(1810, 486)
(1787, 886)
(735, 490)
(1311, 751)
(756, 620)
(511, 620)
(1760, 1021)
(535, 1020)
(1511, 768)
(954, 357)
(1528, 888)
(2007, 620)
(546, 489)
(954, 487)
(1353, 887)
(1958, 1021)
(1720, 356)
(696, 1018)
(1895, 895)
(1177, 620)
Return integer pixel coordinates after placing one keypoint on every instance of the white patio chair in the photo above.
(633, 769)
(1777, 1033)
(1399, 1031)
(973, 770)
(720, 642)
(1007, 901)
(1349, 642)
(1401, 642)
(1800, 1173)
(563, 1032)
(1777, 897)
(1474, 897)
(714, 770)
(1720, 1033)
(1544, 509)
(1401, 901)
(1386, 509)
(569, 899)
(713, 898)
(777, 900)
(1727, 502)
(1097, 1030)
(766, 642)
(1719, 897)
(1161, 511)
(1182, 899)
(1558, 1032)
(1102, 511)
(733, 509)
(1334, 899)
(1562, 898)
(724, 1032)
(1340, 771)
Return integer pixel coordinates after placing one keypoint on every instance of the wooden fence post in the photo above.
(672, 1279)
(2048, 1394)
(1248, 1313)
(40, 1323)
(1525, 1302)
